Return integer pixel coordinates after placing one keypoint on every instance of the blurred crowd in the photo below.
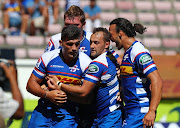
(25, 17)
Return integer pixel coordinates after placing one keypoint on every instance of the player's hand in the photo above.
(44, 87)
(148, 120)
(52, 82)
(58, 97)
(52, 85)
(118, 96)
(10, 71)
(119, 60)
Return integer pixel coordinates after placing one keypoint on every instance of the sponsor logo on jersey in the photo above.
(126, 70)
(56, 66)
(125, 57)
(69, 80)
(93, 68)
(83, 49)
(144, 59)
(74, 69)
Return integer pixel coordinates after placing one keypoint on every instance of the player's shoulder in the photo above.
(84, 56)
(102, 59)
(88, 35)
(137, 49)
(56, 36)
(50, 54)
(84, 61)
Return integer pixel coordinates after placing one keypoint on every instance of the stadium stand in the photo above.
(152, 30)
(34, 53)
(152, 42)
(106, 5)
(144, 6)
(146, 17)
(128, 15)
(35, 40)
(15, 40)
(161, 17)
(20, 53)
(2, 41)
(125, 5)
(54, 28)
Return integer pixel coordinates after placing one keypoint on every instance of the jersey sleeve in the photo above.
(53, 43)
(50, 46)
(145, 63)
(94, 72)
(39, 70)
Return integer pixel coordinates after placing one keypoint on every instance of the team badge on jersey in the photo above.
(38, 63)
(144, 59)
(93, 68)
(73, 69)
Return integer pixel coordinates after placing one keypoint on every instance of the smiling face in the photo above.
(70, 49)
(98, 45)
(115, 37)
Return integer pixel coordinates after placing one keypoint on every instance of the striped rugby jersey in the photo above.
(84, 43)
(137, 63)
(102, 71)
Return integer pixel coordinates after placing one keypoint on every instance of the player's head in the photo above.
(70, 41)
(99, 41)
(122, 27)
(92, 3)
(75, 15)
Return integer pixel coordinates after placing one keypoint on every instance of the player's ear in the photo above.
(107, 45)
(83, 24)
(60, 41)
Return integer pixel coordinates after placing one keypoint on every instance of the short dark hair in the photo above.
(75, 11)
(106, 34)
(70, 32)
(127, 27)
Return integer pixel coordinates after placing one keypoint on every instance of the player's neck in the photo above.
(69, 62)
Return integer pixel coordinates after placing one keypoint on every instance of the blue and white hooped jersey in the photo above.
(51, 63)
(84, 45)
(137, 63)
(102, 71)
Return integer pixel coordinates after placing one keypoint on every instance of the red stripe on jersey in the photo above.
(126, 63)
(137, 55)
(64, 73)
(43, 62)
(127, 76)
(38, 70)
(100, 63)
(94, 76)
(148, 66)
(51, 41)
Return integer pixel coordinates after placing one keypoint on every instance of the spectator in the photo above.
(12, 108)
(2, 123)
(69, 3)
(53, 10)
(92, 13)
(13, 16)
(38, 13)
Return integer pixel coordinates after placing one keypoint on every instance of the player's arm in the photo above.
(156, 91)
(85, 91)
(11, 75)
(55, 96)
